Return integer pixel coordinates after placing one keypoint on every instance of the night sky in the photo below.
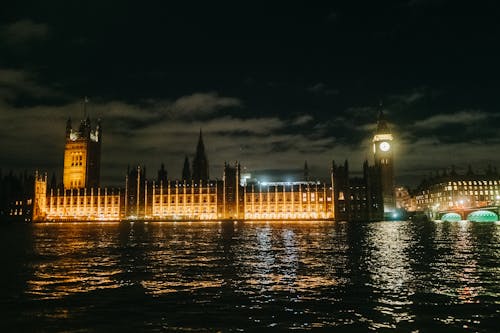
(270, 85)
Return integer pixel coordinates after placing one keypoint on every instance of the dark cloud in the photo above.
(17, 84)
(202, 103)
(24, 31)
(321, 88)
(270, 86)
(304, 119)
(460, 118)
(411, 97)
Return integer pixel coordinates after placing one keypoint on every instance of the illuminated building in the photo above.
(81, 198)
(288, 200)
(82, 155)
(170, 199)
(383, 156)
(196, 197)
(84, 204)
(453, 191)
(40, 198)
(404, 201)
(94, 204)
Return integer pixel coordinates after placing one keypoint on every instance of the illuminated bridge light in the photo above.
(482, 216)
(451, 217)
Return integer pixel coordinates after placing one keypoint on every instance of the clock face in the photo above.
(384, 146)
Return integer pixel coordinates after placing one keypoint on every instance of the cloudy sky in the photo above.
(270, 85)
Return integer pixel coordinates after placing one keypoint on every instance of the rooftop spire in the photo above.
(306, 171)
(68, 126)
(85, 102)
(381, 121)
(200, 162)
(186, 171)
(200, 149)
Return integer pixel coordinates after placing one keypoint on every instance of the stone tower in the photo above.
(82, 154)
(383, 155)
(200, 162)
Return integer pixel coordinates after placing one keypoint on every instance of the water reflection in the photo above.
(391, 276)
(353, 277)
(456, 267)
(72, 259)
(183, 260)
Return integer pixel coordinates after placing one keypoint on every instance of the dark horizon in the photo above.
(296, 83)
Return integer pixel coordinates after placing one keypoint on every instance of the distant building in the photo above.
(16, 197)
(357, 198)
(197, 197)
(371, 196)
(452, 190)
(404, 200)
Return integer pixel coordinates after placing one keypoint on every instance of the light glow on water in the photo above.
(229, 276)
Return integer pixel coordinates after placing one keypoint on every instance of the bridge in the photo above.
(476, 214)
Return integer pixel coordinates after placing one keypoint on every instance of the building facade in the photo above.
(404, 200)
(455, 191)
(16, 196)
(197, 197)
(357, 198)
(289, 200)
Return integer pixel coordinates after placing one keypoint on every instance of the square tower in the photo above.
(82, 155)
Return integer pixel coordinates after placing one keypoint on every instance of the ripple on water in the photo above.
(349, 277)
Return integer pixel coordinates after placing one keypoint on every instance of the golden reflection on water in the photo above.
(277, 260)
(369, 273)
(82, 257)
(60, 271)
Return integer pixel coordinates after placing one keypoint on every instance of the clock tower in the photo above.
(383, 154)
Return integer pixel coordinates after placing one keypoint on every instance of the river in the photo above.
(342, 277)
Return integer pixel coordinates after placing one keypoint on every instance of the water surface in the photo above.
(387, 276)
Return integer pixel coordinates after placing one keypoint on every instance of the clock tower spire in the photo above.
(383, 155)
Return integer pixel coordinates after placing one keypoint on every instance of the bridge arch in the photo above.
(451, 217)
(482, 216)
